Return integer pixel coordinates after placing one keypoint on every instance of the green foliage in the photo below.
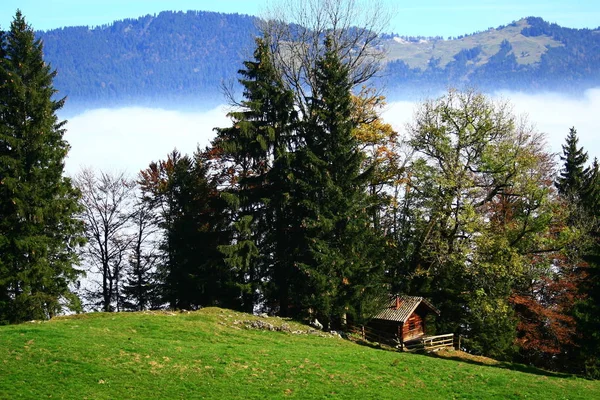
(191, 271)
(478, 207)
(571, 180)
(39, 234)
(256, 154)
(591, 192)
(298, 195)
(339, 262)
(580, 188)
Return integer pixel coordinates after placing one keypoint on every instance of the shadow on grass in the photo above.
(500, 364)
(373, 345)
(464, 357)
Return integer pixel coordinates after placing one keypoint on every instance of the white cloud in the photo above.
(553, 114)
(550, 113)
(128, 139)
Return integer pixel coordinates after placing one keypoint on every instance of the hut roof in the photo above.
(399, 308)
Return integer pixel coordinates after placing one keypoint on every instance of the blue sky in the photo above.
(415, 17)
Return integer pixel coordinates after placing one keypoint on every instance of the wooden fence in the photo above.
(430, 343)
(374, 335)
(426, 343)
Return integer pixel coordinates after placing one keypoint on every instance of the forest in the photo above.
(309, 205)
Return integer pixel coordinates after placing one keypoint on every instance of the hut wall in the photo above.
(413, 327)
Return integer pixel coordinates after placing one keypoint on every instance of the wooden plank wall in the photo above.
(413, 327)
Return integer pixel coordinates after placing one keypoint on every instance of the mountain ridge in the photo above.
(179, 56)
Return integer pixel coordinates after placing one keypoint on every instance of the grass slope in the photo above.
(210, 354)
(528, 50)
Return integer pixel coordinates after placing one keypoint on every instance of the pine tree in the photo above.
(571, 181)
(38, 230)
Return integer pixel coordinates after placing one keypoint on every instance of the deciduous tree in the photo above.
(295, 31)
(140, 284)
(480, 209)
(107, 201)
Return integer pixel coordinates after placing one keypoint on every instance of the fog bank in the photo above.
(128, 139)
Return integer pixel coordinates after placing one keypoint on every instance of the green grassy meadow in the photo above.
(212, 354)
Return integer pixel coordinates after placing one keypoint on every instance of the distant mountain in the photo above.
(174, 56)
(529, 55)
(168, 57)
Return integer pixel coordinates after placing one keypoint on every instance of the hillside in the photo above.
(215, 353)
(528, 55)
(169, 56)
(175, 56)
(418, 53)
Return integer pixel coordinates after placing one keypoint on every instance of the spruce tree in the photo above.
(257, 147)
(191, 271)
(337, 248)
(591, 191)
(571, 181)
(587, 351)
(38, 230)
(139, 287)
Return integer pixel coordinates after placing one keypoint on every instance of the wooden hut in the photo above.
(403, 318)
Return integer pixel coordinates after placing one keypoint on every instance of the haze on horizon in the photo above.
(130, 138)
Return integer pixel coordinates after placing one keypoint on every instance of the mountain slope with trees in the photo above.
(174, 56)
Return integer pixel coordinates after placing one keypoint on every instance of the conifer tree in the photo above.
(38, 230)
(191, 271)
(338, 269)
(140, 283)
(580, 188)
(586, 357)
(591, 190)
(256, 149)
(571, 181)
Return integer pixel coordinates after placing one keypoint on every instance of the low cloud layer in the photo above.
(128, 139)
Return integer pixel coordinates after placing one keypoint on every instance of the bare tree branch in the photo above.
(295, 31)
